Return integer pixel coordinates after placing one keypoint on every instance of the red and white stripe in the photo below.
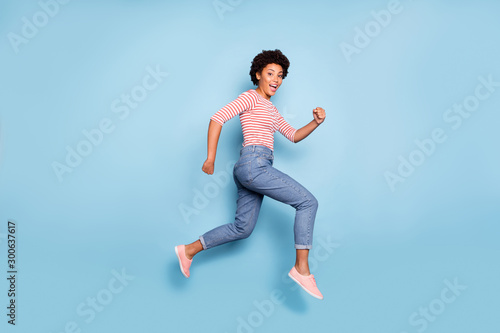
(259, 119)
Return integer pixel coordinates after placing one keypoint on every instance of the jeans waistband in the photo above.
(257, 149)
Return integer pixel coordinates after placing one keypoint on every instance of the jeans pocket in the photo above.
(264, 161)
(243, 172)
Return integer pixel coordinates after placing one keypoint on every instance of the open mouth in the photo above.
(274, 87)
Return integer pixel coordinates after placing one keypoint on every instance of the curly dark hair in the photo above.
(265, 58)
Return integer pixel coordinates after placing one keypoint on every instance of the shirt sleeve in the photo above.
(285, 128)
(243, 103)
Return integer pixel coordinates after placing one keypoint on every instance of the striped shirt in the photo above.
(259, 119)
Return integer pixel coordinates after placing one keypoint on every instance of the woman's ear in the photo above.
(257, 75)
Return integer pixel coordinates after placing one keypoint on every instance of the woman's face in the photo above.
(269, 80)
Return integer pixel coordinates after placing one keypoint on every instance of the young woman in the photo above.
(254, 174)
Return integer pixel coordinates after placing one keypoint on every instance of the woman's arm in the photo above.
(319, 116)
(242, 103)
(214, 130)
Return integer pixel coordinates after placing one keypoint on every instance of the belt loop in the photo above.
(253, 148)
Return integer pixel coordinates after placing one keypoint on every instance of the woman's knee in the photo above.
(243, 231)
(313, 202)
(310, 202)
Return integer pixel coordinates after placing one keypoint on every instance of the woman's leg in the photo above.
(301, 261)
(193, 248)
(247, 212)
(277, 185)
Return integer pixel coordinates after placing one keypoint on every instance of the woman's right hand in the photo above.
(208, 167)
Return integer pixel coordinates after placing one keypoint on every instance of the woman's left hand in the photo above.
(319, 115)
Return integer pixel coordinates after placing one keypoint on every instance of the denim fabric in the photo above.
(255, 177)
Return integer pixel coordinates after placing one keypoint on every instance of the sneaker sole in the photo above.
(300, 284)
(180, 262)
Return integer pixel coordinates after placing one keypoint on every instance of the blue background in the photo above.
(121, 208)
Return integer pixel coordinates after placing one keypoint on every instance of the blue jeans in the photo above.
(255, 177)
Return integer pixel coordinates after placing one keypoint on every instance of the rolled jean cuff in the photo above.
(303, 247)
(203, 243)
